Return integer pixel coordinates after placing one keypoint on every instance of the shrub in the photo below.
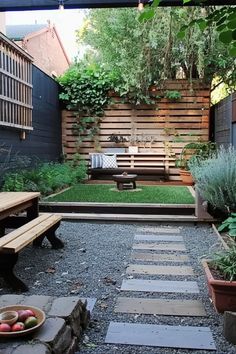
(46, 178)
(225, 263)
(216, 179)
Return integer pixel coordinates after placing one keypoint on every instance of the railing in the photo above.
(15, 86)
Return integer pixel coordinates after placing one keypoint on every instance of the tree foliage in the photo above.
(144, 49)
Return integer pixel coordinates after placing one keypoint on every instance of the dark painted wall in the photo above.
(222, 121)
(44, 142)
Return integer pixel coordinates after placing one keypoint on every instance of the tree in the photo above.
(143, 49)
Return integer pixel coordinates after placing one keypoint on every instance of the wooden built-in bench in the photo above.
(147, 166)
(12, 243)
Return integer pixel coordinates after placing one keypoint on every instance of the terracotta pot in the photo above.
(222, 292)
(186, 177)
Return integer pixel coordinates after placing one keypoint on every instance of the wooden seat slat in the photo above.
(21, 230)
(25, 238)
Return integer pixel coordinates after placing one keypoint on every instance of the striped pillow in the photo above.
(96, 160)
(109, 161)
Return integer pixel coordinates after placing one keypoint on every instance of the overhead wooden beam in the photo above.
(16, 5)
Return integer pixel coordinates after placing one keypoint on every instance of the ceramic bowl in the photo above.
(39, 314)
(8, 317)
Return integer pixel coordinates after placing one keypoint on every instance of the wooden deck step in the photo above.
(165, 307)
(128, 217)
(160, 286)
(185, 337)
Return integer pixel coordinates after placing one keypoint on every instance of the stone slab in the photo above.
(160, 307)
(32, 349)
(160, 286)
(165, 230)
(159, 270)
(161, 257)
(52, 329)
(9, 300)
(41, 301)
(64, 306)
(167, 238)
(159, 246)
(184, 337)
(90, 303)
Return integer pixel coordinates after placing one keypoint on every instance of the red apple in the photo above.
(18, 326)
(22, 315)
(4, 327)
(30, 312)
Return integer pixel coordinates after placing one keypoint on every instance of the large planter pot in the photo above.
(186, 177)
(222, 292)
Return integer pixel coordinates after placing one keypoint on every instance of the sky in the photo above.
(66, 22)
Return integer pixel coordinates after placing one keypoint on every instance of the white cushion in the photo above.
(96, 160)
(109, 161)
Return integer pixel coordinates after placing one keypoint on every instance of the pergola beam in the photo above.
(23, 5)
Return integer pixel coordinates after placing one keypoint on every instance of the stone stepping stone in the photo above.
(159, 246)
(160, 286)
(160, 307)
(159, 257)
(185, 337)
(165, 230)
(168, 238)
(159, 270)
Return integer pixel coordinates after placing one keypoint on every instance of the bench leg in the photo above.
(50, 234)
(7, 263)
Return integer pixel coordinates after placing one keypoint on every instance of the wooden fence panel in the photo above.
(163, 128)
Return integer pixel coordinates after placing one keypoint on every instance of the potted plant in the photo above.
(193, 154)
(221, 279)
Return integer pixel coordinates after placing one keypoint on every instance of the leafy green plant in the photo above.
(84, 90)
(47, 177)
(225, 263)
(229, 225)
(173, 95)
(194, 153)
(216, 179)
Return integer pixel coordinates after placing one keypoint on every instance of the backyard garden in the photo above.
(137, 133)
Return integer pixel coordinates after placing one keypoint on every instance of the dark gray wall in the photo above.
(44, 142)
(221, 115)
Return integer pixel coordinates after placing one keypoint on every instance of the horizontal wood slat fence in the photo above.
(163, 128)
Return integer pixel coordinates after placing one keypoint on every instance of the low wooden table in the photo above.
(125, 181)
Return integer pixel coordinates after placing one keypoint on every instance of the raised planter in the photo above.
(186, 177)
(222, 292)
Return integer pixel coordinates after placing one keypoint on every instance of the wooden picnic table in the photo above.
(15, 202)
(29, 228)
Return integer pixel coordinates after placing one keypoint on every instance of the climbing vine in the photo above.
(85, 91)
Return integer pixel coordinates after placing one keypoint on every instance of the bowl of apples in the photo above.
(20, 320)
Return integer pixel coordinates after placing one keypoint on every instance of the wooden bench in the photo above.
(11, 244)
(147, 166)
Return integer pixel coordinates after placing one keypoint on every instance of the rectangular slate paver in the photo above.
(168, 238)
(165, 230)
(159, 270)
(164, 307)
(159, 257)
(160, 286)
(185, 337)
(159, 246)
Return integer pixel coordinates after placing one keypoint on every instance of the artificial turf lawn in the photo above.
(107, 193)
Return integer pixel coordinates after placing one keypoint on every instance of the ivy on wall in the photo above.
(85, 90)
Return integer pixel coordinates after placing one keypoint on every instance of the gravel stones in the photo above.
(95, 252)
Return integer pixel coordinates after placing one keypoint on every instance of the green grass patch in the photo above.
(107, 193)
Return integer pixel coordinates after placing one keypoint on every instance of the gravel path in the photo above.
(93, 264)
